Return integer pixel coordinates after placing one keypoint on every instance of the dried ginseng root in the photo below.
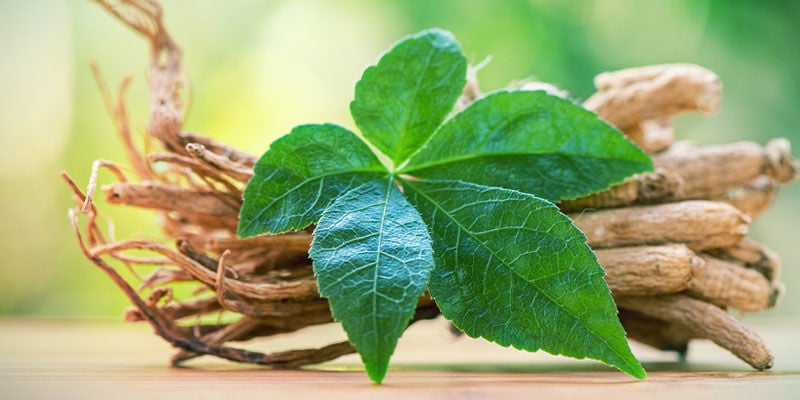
(743, 174)
(677, 291)
(698, 224)
(632, 96)
(712, 171)
(726, 283)
(648, 270)
(703, 320)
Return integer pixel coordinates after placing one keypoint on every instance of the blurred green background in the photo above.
(254, 69)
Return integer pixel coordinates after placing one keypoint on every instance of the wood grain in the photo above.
(101, 360)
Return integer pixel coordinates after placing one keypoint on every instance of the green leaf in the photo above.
(301, 174)
(512, 269)
(402, 100)
(532, 142)
(509, 266)
(372, 258)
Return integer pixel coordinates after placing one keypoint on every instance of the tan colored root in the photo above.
(752, 255)
(629, 97)
(211, 209)
(290, 241)
(780, 164)
(238, 158)
(247, 328)
(725, 283)
(145, 17)
(231, 332)
(172, 334)
(171, 198)
(224, 164)
(656, 270)
(712, 171)
(652, 135)
(256, 265)
(743, 174)
(278, 291)
(175, 311)
(704, 320)
(648, 188)
(201, 169)
(648, 270)
(472, 90)
(119, 115)
(656, 333)
(92, 186)
(754, 198)
(698, 224)
(684, 174)
(163, 276)
(260, 308)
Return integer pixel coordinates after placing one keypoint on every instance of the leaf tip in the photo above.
(244, 229)
(436, 33)
(636, 370)
(247, 226)
(631, 366)
(377, 371)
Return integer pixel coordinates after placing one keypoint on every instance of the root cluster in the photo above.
(672, 242)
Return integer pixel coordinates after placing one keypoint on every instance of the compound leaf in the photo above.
(531, 142)
(512, 269)
(301, 174)
(508, 265)
(372, 258)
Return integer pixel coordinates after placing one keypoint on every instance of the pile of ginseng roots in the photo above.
(673, 242)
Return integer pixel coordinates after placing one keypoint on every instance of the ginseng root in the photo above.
(698, 224)
(704, 320)
(648, 270)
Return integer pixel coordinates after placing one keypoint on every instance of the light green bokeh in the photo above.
(255, 69)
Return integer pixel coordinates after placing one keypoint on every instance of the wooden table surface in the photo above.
(108, 360)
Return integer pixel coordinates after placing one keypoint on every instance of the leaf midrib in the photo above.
(406, 118)
(493, 253)
(478, 156)
(377, 268)
(490, 132)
